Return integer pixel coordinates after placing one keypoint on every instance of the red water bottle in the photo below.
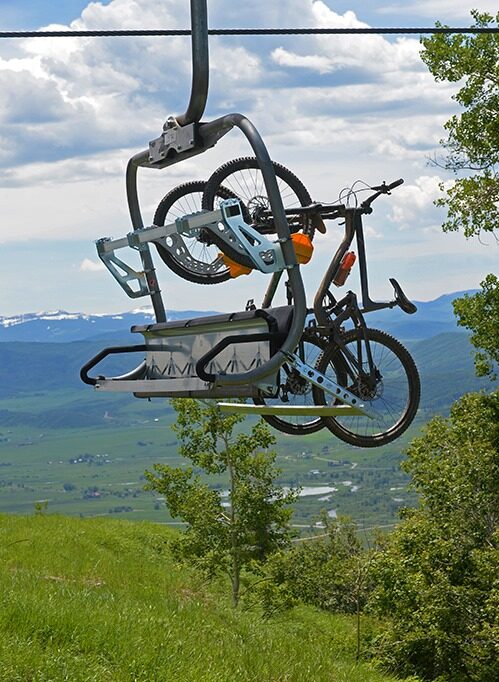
(344, 270)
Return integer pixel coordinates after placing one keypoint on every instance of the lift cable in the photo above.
(243, 32)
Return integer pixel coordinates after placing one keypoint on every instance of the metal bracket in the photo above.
(227, 222)
(291, 410)
(122, 272)
(327, 385)
(266, 255)
(174, 140)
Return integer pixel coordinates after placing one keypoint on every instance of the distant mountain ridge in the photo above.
(59, 326)
(445, 364)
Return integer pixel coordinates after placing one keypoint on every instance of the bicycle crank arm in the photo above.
(328, 385)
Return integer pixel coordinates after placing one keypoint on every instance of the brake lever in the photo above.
(383, 188)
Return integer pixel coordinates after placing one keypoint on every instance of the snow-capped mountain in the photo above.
(433, 317)
(60, 326)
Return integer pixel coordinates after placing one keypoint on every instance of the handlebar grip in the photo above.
(394, 184)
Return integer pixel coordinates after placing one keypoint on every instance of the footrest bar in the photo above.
(301, 410)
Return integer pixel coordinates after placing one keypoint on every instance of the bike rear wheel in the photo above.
(393, 392)
(191, 257)
(244, 179)
(297, 391)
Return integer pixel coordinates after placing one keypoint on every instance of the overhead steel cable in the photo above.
(243, 32)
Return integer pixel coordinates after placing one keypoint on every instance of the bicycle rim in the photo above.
(244, 179)
(299, 393)
(192, 259)
(393, 397)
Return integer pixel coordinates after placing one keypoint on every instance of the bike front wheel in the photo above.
(391, 391)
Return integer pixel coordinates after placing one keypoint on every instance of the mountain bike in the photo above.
(337, 342)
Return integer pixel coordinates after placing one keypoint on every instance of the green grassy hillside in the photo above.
(99, 600)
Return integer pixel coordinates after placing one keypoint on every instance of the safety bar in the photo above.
(137, 373)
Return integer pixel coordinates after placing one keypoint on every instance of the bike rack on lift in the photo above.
(183, 137)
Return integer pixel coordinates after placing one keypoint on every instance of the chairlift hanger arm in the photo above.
(185, 136)
(200, 64)
(195, 109)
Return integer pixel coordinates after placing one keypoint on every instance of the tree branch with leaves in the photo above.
(472, 145)
(224, 537)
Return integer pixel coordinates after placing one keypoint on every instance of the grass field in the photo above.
(100, 600)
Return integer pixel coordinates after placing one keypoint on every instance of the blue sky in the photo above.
(72, 111)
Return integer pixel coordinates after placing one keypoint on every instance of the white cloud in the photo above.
(79, 96)
(442, 10)
(373, 54)
(88, 265)
(75, 170)
(333, 108)
(315, 62)
(412, 204)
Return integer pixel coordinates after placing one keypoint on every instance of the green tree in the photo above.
(472, 145)
(437, 580)
(480, 314)
(329, 571)
(473, 135)
(321, 570)
(255, 522)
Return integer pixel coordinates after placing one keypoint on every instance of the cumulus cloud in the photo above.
(79, 169)
(317, 63)
(332, 108)
(374, 54)
(72, 97)
(442, 10)
(412, 204)
(88, 265)
(74, 110)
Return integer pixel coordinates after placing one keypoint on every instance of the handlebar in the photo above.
(333, 211)
(380, 189)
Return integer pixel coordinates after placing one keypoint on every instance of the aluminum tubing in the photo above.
(145, 254)
(200, 64)
(132, 196)
(283, 232)
(320, 314)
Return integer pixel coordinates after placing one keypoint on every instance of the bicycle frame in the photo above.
(330, 314)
